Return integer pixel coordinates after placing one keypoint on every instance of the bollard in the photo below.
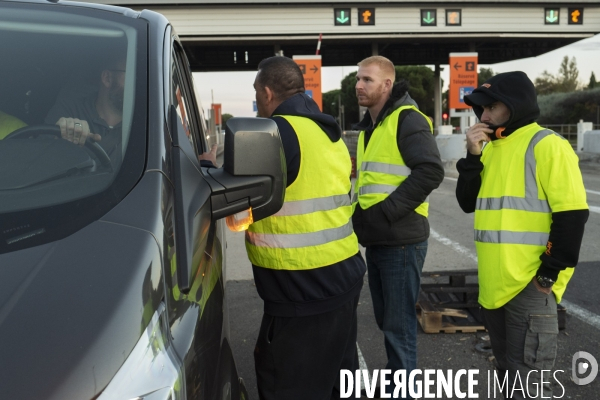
(582, 127)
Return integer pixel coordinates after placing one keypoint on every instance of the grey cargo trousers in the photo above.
(523, 335)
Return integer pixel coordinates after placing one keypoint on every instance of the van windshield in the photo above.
(72, 118)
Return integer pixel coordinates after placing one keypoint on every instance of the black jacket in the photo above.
(394, 222)
(517, 92)
(288, 293)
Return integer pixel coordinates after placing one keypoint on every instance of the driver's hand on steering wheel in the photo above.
(76, 131)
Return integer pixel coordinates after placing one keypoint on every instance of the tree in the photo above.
(569, 108)
(224, 118)
(546, 84)
(421, 81)
(349, 100)
(484, 75)
(593, 82)
(568, 75)
(330, 102)
(567, 79)
(421, 86)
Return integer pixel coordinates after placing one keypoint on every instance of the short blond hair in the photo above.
(385, 65)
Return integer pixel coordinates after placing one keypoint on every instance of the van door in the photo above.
(196, 303)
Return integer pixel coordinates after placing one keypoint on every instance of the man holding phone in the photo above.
(527, 193)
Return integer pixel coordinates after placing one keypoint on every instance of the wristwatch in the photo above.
(544, 282)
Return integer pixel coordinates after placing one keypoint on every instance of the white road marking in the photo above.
(362, 365)
(454, 179)
(582, 313)
(573, 309)
(594, 209)
(456, 246)
(361, 360)
(592, 192)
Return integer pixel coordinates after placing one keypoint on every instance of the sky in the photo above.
(234, 90)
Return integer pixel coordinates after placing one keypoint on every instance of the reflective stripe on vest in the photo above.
(300, 207)
(377, 189)
(533, 238)
(313, 229)
(295, 240)
(529, 203)
(392, 169)
(381, 166)
(512, 230)
(512, 203)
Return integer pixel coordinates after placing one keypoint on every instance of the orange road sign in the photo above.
(366, 16)
(311, 69)
(575, 16)
(217, 108)
(453, 17)
(463, 78)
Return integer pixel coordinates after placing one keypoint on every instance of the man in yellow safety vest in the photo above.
(398, 166)
(305, 258)
(524, 184)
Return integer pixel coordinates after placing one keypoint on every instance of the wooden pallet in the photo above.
(436, 319)
(449, 304)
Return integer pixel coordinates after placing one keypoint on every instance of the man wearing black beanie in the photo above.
(524, 184)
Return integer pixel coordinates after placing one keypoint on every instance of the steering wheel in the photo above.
(36, 130)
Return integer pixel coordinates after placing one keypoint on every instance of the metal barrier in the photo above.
(568, 131)
(351, 140)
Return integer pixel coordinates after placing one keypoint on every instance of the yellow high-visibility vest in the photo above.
(314, 227)
(381, 168)
(513, 213)
(9, 124)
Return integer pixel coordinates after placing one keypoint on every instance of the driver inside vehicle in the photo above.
(9, 124)
(96, 116)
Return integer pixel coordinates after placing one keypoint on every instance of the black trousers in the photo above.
(301, 357)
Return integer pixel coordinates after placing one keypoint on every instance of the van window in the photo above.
(182, 97)
(88, 68)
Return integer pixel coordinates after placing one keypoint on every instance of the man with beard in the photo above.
(96, 116)
(524, 185)
(399, 165)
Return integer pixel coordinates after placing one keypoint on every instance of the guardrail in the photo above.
(568, 131)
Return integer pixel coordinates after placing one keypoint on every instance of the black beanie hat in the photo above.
(515, 90)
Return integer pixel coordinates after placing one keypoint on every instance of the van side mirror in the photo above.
(254, 173)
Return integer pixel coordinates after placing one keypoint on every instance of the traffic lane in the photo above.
(455, 228)
(591, 176)
(452, 248)
(449, 223)
(583, 287)
(590, 245)
(451, 245)
(454, 351)
(582, 290)
(442, 351)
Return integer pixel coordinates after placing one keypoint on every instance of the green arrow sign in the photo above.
(551, 16)
(428, 17)
(341, 16)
